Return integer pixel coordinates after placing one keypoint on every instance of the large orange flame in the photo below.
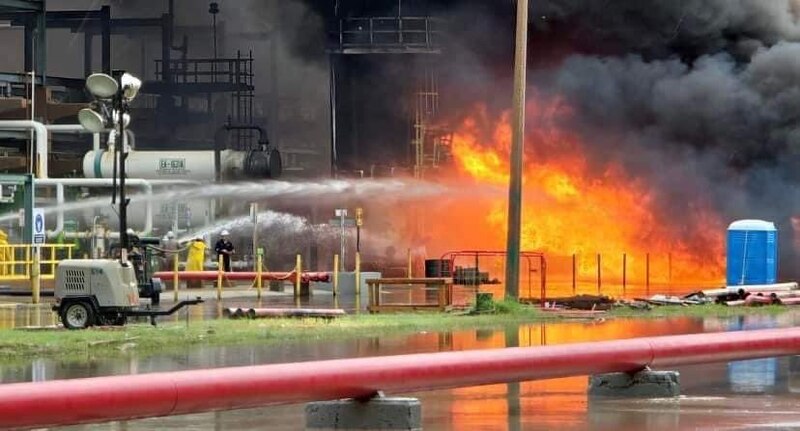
(573, 207)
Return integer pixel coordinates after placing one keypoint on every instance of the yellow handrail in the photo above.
(16, 260)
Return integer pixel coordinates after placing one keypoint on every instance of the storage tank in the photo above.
(752, 253)
(186, 165)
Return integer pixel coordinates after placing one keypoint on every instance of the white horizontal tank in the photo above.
(167, 165)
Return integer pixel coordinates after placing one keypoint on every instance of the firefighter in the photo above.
(195, 259)
(225, 249)
(196, 255)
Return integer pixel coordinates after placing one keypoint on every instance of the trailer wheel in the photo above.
(77, 315)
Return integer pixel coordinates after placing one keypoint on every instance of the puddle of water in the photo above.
(717, 396)
(15, 315)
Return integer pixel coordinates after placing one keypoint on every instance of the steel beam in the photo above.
(186, 392)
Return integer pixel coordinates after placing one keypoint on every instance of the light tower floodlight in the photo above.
(130, 86)
(91, 120)
(101, 85)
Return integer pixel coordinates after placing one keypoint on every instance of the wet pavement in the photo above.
(760, 394)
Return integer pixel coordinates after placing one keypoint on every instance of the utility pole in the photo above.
(517, 151)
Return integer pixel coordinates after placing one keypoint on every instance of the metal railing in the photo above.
(16, 260)
(208, 70)
(389, 32)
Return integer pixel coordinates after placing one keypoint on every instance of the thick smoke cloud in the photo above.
(661, 27)
(697, 97)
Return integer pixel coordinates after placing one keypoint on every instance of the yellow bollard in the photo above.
(175, 277)
(298, 279)
(258, 273)
(409, 263)
(335, 275)
(219, 277)
(35, 276)
(358, 273)
(28, 261)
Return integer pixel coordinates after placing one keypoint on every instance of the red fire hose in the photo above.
(63, 402)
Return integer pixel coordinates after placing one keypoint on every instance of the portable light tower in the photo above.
(110, 110)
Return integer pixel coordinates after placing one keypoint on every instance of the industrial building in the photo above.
(307, 80)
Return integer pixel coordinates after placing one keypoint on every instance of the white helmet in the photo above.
(225, 233)
(129, 231)
(170, 234)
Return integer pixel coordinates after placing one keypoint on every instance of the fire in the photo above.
(571, 206)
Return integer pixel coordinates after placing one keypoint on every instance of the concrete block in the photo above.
(644, 384)
(375, 414)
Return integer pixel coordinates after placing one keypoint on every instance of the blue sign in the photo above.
(39, 223)
(38, 226)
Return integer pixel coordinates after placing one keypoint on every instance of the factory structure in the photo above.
(226, 96)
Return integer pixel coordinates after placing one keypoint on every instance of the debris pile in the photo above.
(262, 313)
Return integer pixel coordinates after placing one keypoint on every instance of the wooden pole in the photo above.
(513, 238)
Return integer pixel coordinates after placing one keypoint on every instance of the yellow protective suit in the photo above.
(196, 256)
(5, 253)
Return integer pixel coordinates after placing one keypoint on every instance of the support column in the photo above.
(87, 53)
(105, 24)
(378, 413)
(644, 384)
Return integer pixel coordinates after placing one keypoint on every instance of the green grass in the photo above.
(143, 340)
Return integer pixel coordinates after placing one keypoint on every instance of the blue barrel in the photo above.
(752, 253)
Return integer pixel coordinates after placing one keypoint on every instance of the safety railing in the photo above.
(16, 260)
(409, 294)
(420, 33)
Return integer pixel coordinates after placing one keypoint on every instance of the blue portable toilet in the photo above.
(752, 253)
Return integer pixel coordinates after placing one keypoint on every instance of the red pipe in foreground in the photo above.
(243, 276)
(99, 399)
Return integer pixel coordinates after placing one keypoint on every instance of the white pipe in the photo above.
(41, 141)
(74, 128)
(102, 182)
(60, 215)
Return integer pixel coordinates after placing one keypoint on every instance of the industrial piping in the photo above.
(74, 128)
(95, 182)
(41, 141)
(185, 392)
